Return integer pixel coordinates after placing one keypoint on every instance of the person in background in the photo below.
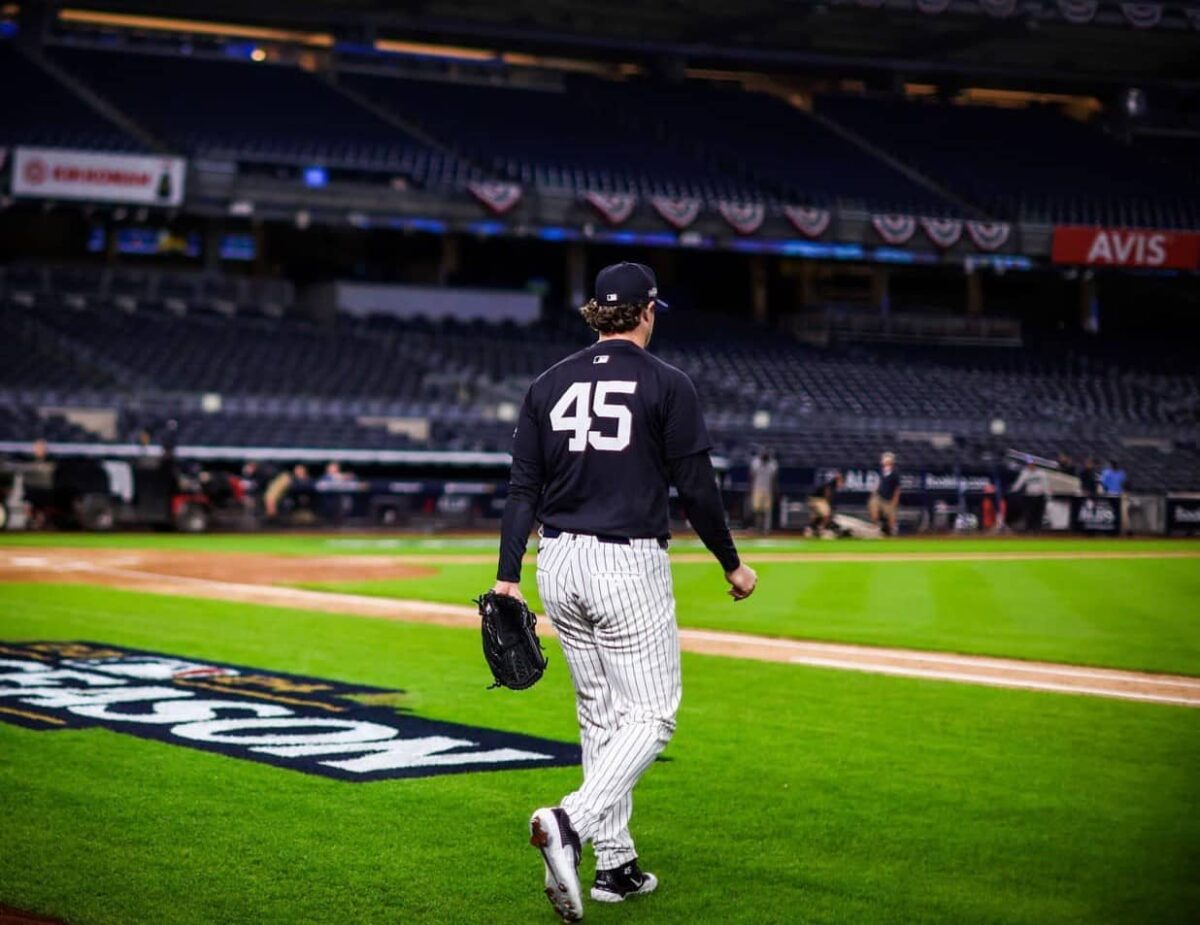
(992, 510)
(334, 475)
(1088, 478)
(764, 471)
(820, 506)
(1035, 484)
(885, 499)
(1066, 465)
(279, 486)
(38, 477)
(1112, 480)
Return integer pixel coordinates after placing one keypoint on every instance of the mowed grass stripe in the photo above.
(1139, 615)
(789, 795)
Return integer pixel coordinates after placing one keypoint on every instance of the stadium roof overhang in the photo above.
(1034, 48)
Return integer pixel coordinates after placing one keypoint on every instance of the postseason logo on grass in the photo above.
(306, 724)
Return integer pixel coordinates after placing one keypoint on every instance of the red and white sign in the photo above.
(62, 173)
(1126, 247)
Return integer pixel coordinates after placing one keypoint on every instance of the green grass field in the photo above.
(789, 794)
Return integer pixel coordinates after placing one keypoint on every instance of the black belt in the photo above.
(551, 533)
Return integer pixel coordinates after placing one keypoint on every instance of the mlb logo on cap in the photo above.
(627, 284)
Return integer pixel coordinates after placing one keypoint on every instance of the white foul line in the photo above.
(808, 653)
(989, 680)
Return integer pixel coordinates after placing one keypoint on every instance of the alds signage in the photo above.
(1126, 247)
(306, 724)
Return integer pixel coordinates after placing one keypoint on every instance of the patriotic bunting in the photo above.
(989, 236)
(1142, 15)
(1078, 11)
(944, 232)
(679, 212)
(895, 229)
(933, 7)
(744, 217)
(999, 8)
(498, 195)
(809, 222)
(615, 207)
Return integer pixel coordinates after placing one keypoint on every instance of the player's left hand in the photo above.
(742, 582)
(511, 588)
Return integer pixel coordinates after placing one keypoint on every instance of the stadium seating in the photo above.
(33, 96)
(293, 382)
(255, 112)
(652, 138)
(565, 139)
(1029, 164)
(766, 141)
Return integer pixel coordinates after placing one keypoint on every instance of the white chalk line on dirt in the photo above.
(865, 659)
(816, 558)
(964, 677)
(831, 650)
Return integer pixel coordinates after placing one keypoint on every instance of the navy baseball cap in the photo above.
(627, 283)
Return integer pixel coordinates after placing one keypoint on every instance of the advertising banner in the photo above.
(1126, 247)
(1096, 515)
(1183, 514)
(62, 173)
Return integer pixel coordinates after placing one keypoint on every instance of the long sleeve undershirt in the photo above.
(696, 482)
(692, 475)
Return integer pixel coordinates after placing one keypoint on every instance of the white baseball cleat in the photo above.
(550, 831)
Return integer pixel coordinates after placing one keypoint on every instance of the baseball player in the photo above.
(600, 437)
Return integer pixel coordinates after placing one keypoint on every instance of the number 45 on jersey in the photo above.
(571, 413)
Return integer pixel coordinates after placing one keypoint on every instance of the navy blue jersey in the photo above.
(598, 433)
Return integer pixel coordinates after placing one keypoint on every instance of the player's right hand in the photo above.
(742, 581)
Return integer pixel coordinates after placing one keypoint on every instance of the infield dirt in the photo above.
(265, 579)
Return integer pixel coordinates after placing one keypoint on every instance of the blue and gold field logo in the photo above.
(307, 724)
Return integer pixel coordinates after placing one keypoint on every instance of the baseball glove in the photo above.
(510, 642)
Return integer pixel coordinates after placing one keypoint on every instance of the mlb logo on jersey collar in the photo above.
(602, 358)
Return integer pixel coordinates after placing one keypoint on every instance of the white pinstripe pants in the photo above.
(614, 610)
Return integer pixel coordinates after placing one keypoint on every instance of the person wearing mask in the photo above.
(885, 499)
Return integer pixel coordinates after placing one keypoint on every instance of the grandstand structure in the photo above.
(800, 162)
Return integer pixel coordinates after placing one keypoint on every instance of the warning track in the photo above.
(252, 579)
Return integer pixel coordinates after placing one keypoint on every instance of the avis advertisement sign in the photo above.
(1126, 247)
(305, 724)
(62, 173)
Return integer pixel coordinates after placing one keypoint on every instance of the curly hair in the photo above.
(612, 319)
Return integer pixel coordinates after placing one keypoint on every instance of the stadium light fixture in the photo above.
(194, 27)
(424, 49)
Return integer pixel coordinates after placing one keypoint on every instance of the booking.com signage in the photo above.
(63, 173)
